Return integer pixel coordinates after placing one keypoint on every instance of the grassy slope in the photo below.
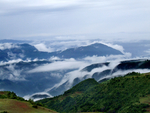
(14, 106)
(17, 106)
(73, 93)
(121, 94)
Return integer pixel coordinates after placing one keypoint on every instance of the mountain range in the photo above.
(33, 74)
(26, 51)
(108, 72)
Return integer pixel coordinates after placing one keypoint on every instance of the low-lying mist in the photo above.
(52, 76)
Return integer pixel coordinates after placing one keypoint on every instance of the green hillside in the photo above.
(128, 94)
(10, 103)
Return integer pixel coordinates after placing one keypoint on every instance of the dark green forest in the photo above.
(124, 94)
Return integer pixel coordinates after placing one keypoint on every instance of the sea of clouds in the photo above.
(75, 66)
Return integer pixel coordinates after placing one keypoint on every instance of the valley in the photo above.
(83, 79)
(74, 56)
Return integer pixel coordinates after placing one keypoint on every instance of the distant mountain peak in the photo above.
(96, 49)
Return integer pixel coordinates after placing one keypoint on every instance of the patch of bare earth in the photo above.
(2, 93)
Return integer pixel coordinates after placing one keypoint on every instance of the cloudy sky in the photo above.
(75, 19)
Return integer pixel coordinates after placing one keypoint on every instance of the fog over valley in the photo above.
(50, 73)
(47, 47)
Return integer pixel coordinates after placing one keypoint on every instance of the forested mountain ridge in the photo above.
(121, 94)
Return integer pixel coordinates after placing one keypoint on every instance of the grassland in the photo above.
(11, 103)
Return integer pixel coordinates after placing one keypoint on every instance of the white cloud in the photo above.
(4, 46)
(81, 74)
(102, 59)
(59, 65)
(113, 59)
(11, 73)
(25, 6)
(77, 64)
(10, 62)
(63, 43)
(105, 19)
(123, 73)
(54, 58)
(42, 47)
(20, 60)
(70, 76)
(80, 20)
(27, 97)
(115, 46)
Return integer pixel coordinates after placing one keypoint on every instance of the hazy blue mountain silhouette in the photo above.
(25, 51)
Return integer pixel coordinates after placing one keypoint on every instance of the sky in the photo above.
(111, 20)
